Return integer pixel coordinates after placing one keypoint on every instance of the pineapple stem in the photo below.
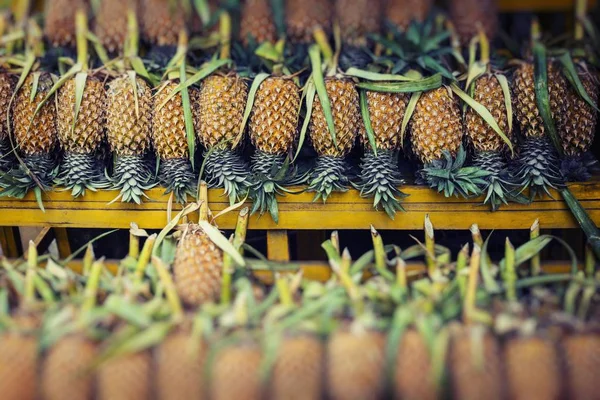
(478, 240)
(133, 34)
(225, 33)
(169, 286)
(379, 251)
(88, 260)
(461, 265)
(534, 233)
(21, 11)
(228, 271)
(580, 12)
(81, 25)
(471, 294)
(484, 47)
(203, 199)
(241, 228)
(401, 278)
(590, 262)
(283, 289)
(145, 255)
(134, 246)
(91, 288)
(32, 264)
(430, 246)
(335, 241)
(536, 31)
(323, 42)
(510, 273)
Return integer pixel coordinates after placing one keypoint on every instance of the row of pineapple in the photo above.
(184, 316)
(414, 81)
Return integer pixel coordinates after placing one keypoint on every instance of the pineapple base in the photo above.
(227, 170)
(499, 187)
(329, 175)
(132, 176)
(579, 168)
(271, 173)
(6, 155)
(38, 171)
(81, 172)
(177, 176)
(538, 167)
(380, 178)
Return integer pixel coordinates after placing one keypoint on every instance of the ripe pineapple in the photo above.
(273, 131)
(355, 365)
(329, 174)
(533, 369)
(18, 366)
(179, 368)
(413, 377)
(357, 19)
(235, 373)
(218, 114)
(380, 176)
(257, 24)
(129, 130)
(35, 137)
(60, 21)
(66, 370)
(111, 23)
(304, 16)
(538, 163)
(402, 12)
(469, 15)
(161, 21)
(475, 365)
(582, 360)
(126, 377)
(169, 139)
(197, 267)
(7, 85)
(299, 368)
(80, 139)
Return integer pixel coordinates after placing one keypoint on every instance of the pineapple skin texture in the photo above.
(160, 24)
(402, 12)
(386, 111)
(299, 369)
(357, 19)
(532, 368)
(466, 14)
(578, 127)
(355, 365)
(125, 378)
(111, 23)
(304, 16)
(127, 134)
(7, 86)
(482, 137)
(18, 366)
(436, 126)
(274, 120)
(59, 26)
(347, 119)
(235, 373)
(42, 136)
(89, 129)
(219, 110)
(197, 268)
(65, 374)
(413, 373)
(257, 22)
(179, 371)
(168, 124)
(582, 360)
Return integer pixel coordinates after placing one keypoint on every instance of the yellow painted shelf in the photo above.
(298, 212)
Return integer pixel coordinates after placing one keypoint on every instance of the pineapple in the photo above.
(402, 12)
(468, 16)
(218, 115)
(18, 366)
(235, 373)
(357, 19)
(179, 368)
(380, 176)
(257, 24)
(538, 164)
(582, 361)
(81, 138)
(302, 17)
(7, 85)
(299, 368)
(66, 370)
(60, 27)
(197, 267)
(162, 21)
(35, 137)
(475, 365)
(329, 174)
(355, 365)
(111, 23)
(532, 367)
(169, 139)
(413, 372)
(126, 377)
(273, 131)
